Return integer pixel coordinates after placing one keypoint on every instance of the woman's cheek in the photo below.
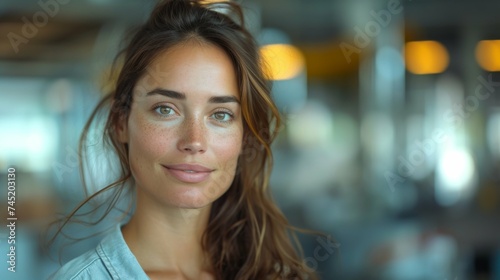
(229, 138)
(230, 150)
(151, 138)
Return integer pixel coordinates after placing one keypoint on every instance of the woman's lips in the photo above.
(189, 173)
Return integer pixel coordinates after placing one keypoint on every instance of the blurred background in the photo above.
(392, 136)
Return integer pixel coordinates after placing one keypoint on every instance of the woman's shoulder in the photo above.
(111, 259)
(86, 266)
(89, 265)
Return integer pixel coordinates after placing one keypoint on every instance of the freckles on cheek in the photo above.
(150, 140)
(229, 146)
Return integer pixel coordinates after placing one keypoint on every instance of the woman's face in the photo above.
(185, 130)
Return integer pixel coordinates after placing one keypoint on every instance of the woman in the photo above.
(192, 121)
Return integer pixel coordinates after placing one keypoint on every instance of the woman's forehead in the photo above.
(191, 67)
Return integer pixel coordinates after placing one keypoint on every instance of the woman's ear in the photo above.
(122, 130)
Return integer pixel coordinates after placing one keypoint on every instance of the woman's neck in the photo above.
(167, 240)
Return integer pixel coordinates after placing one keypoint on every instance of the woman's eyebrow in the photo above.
(167, 93)
(223, 99)
(179, 95)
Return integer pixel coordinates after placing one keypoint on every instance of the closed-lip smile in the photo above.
(188, 173)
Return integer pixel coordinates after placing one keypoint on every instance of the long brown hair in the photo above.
(247, 236)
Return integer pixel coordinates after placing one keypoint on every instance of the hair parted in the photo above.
(247, 236)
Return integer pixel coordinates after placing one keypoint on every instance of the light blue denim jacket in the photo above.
(111, 259)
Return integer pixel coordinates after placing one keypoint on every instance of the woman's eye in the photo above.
(164, 110)
(222, 116)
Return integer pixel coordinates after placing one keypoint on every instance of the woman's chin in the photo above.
(194, 198)
(193, 202)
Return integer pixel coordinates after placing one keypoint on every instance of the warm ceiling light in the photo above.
(488, 55)
(282, 62)
(426, 57)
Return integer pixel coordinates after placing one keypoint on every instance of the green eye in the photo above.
(222, 116)
(164, 110)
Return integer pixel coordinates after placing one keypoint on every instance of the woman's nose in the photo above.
(192, 137)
